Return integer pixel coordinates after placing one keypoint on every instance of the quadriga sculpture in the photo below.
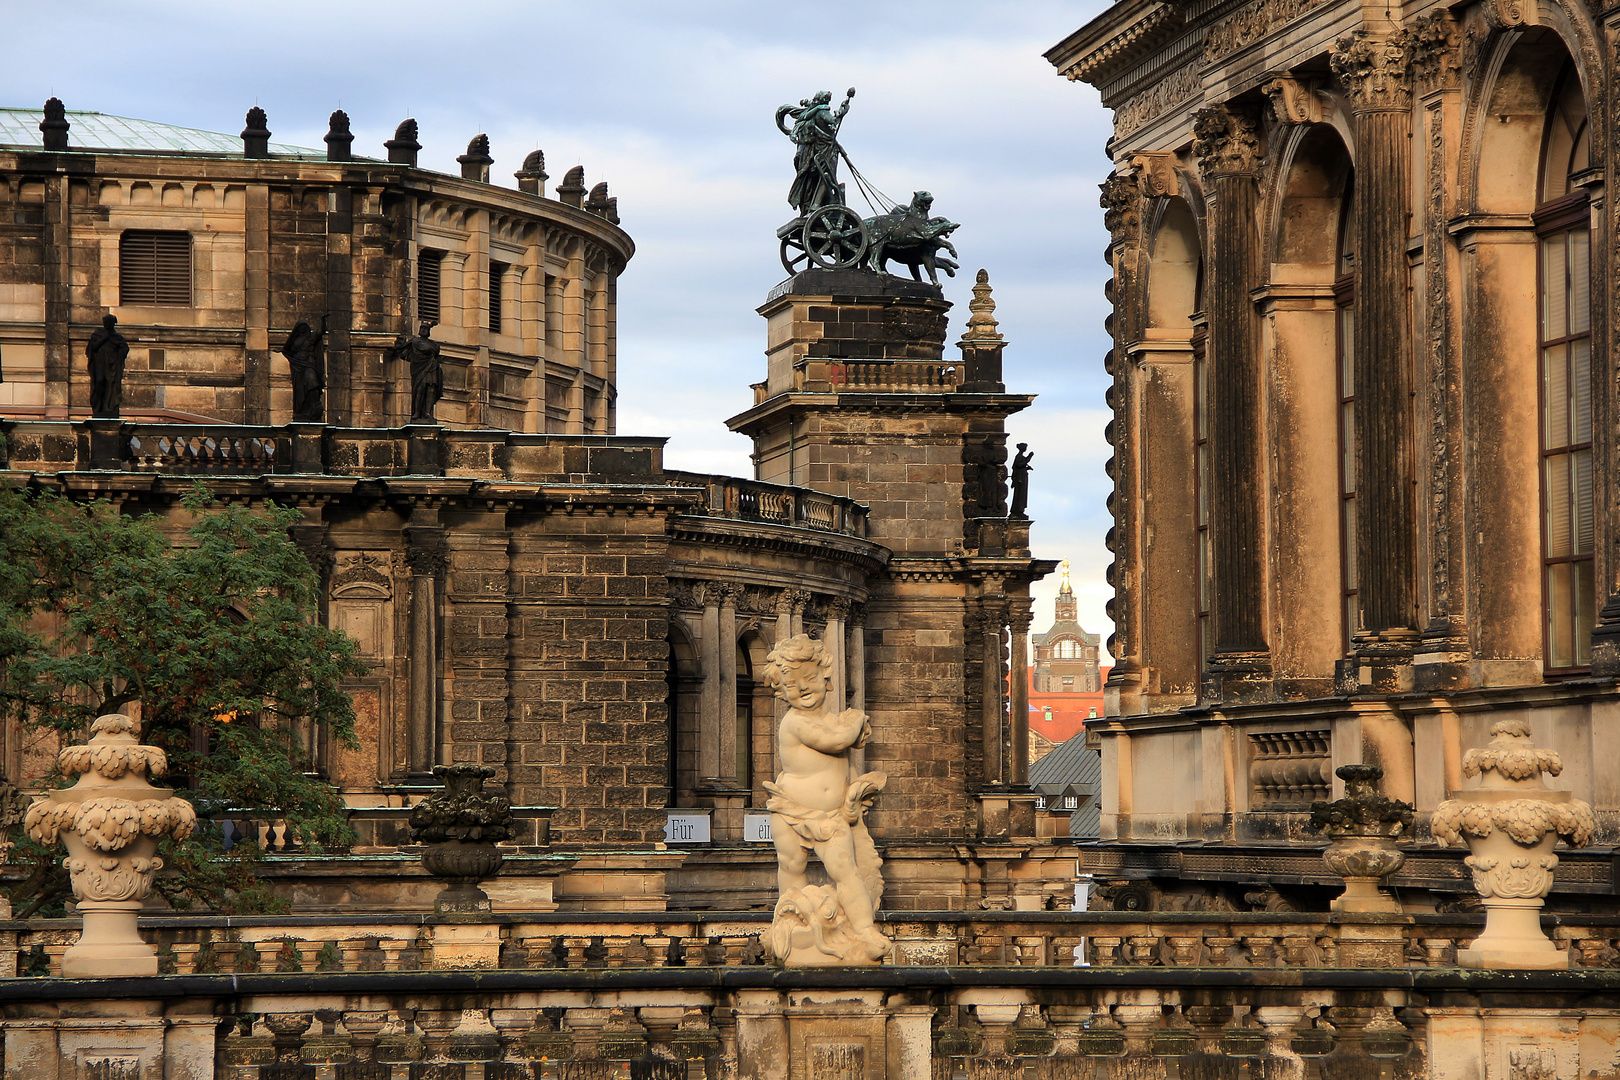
(1510, 822)
(111, 821)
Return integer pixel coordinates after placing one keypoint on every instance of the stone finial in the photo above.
(1363, 827)
(1510, 821)
(572, 190)
(256, 136)
(55, 125)
(110, 821)
(601, 205)
(533, 176)
(403, 147)
(476, 161)
(338, 137)
(981, 324)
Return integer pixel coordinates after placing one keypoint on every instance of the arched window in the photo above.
(1563, 228)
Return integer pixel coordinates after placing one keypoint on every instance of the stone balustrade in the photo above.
(750, 500)
(532, 941)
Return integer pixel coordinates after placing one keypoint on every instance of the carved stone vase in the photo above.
(1510, 821)
(461, 826)
(111, 821)
(1363, 828)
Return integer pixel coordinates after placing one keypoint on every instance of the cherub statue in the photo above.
(816, 806)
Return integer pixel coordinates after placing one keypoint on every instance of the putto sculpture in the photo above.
(817, 806)
(111, 821)
(827, 233)
(1510, 823)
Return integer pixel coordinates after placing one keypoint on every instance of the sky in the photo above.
(671, 103)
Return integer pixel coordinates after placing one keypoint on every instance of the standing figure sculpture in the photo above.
(815, 162)
(1020, 480)
(107, 351)
(817, 806)
(306, 356)
(427, 379)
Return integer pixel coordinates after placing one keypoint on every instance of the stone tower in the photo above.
(860, 401)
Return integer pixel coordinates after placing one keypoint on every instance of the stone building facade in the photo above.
(531, 590)
(1363, 397)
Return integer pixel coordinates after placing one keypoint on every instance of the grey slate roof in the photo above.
(104, 133)
(1070, 768)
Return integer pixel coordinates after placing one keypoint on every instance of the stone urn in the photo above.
(461, 826)
(111, 821)
(1510, 821)
(1363, 828)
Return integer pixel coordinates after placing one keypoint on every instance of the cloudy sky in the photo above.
(671, 103)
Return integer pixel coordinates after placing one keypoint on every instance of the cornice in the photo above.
(1111, 41)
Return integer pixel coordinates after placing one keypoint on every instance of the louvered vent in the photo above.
(154, 268)
(428, 266)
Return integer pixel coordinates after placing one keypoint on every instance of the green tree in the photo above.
(213, 629)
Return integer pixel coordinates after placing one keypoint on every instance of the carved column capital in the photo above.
(1226, 140)
(857, 615)
(425, 552)
(727, 594)
(1374, 70)
(1121, 202)
(1433, 52)
(838, 608)
(797, 599)
(1295, 101)
(312, 541)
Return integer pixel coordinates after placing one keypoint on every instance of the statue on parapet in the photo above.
(427, 377)
(107, 350)
(1020, 481)
(815, 161)
(816, 806)
(306, 356)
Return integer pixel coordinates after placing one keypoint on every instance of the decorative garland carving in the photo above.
(1226, 140)
(1250, 23)
(1173, 89)
(1373, 70)
(1439, 360)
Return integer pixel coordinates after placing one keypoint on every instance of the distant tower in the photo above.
(1066, 655)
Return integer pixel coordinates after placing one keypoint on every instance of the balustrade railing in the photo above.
(892, 376)
(207, 448)
(749, 500)
(204, 944)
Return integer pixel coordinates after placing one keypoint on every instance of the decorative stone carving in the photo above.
(1249, 24)
(815, 806)
(1226, 140)
(461, 826)
(1431, 44)
(1510, 822)
(1294, 101)
(1373, 70)
(1159, 97)
(111, 821)
(1121, 202)
(1156, 174)
(1363, 827)
(365, 573)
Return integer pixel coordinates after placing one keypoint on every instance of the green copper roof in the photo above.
(103, 133)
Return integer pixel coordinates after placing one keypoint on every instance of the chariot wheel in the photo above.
(834, 238)
(794, 258)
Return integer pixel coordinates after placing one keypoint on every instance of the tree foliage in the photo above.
(208, 620)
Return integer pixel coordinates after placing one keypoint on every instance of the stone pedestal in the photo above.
(306, 439)
(832, 1035)
(106, 444)
(423, 453)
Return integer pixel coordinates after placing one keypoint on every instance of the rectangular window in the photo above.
(497, 282)
(1567, 535)
(429, 267)
(154, 267)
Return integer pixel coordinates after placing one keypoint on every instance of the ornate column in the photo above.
(784, 615)
(1435, 60)
(856, 653)
(991, 624)
(709, 708)
(726, 714)
(425, 558)
(1226, 141)
(1018, 709)
(1373, 70)
(798, 599)
(833, 636)
(1121, 202)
